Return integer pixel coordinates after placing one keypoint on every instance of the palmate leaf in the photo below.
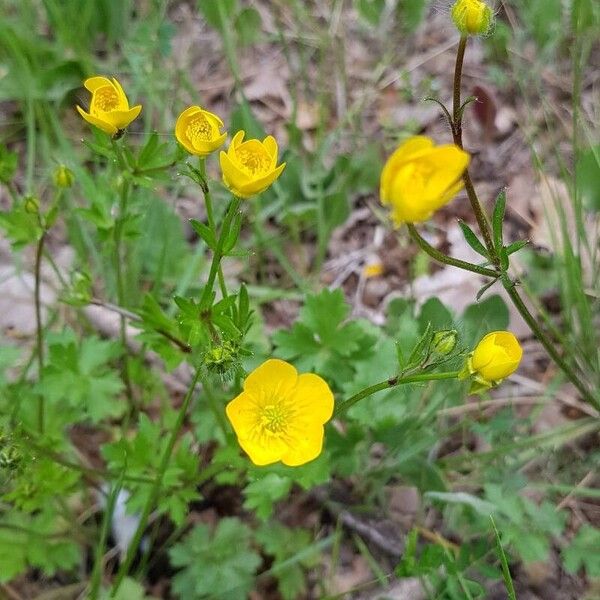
(220, 564)
(322, 340)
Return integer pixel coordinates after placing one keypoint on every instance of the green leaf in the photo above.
(370, 10)
(498, 220)
(504, 562)
(8, 164)
(472, 239)
(516, 246)
(220, 564)
(582, 552)
(248, 25)
(262, 493)
(212, 12)
(205, 232)
(489, 315)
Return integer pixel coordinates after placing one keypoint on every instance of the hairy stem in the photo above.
(39, 325)
(155, 489)
(448, 260)
(390, 383)
(478, 211)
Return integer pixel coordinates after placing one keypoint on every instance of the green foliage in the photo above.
(582, 552)
(220, 564)
(140, 457)
(79, 379)
(31, 541)
(293, 553)
(323, 340)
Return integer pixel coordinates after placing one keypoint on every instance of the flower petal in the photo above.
(273, 378)
(263, 451)
(105, 126)
(307, 445)
(122, 118)
(123, 102)
(93, 83)
(233, 177)
(260, 185)
(312, 396)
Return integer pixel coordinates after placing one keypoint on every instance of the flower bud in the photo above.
(32, 205)
(223, 360)
(443, 342)
(63, 177)
(472, 17)
(497, 356)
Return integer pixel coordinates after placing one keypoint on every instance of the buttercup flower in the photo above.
(280, 415)
(419, 178)
(250, 167)
(199, 131)
(496, 356)
(472, 17)
(109, 107)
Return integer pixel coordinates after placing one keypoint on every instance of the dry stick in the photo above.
(484, 226)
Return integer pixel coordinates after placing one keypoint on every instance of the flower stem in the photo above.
(155, 490)
(478, 211)
(484, 226)
(390, 383)
(448, 260)
(218, 255)
(211, 219)
(39, 325)
(533, 324)
(118, 242)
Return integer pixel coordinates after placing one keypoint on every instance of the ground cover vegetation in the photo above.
(299, 299)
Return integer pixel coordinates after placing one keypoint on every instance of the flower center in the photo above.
(105, 99)
(254, 159)
(199, 127)
(273, 418)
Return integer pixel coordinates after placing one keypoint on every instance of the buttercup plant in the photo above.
(236, 413)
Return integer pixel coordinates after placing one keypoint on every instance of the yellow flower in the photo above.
(419, 178)
(496, 356)
(250, 167)
(109, 107)
(280, 415)
(198, 131)
(472, 17)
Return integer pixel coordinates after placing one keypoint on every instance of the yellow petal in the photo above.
(263, 451)
(123, 102)
(306, 446)
(238, 138)
(273, 378)
(215, 119)
(97, 122)
(270, 143)
(204, 148)
(312, 396)
(260, 185)
(242, 414)
(93, 83)
(122, 118)
(233, 177)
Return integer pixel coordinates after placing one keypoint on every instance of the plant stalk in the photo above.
(155, 490)
(390, 383)
(39, 325)
(448, 260)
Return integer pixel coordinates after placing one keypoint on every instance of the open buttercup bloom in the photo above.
(199, 131)
(496, 357)
(250, 167)
(279, 415)
(109, 107)
(419, 178)
(472, 17)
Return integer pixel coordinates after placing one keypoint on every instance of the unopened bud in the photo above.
(223, 360)
(32, 205)
(472, 17)
(443, 342)
(63, 177)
